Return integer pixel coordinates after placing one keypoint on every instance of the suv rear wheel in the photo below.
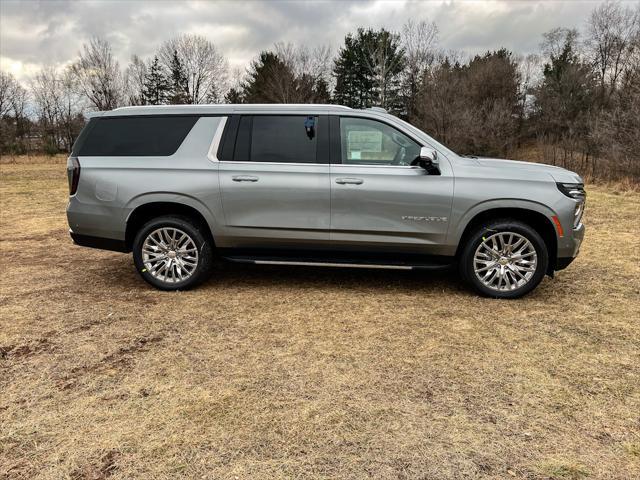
(504, 259)
(172, 253)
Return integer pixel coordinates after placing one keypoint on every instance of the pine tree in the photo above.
(234, 95)
(270, 80)
(350, 83)
(156, 85)
(179, 93)
(321, 91)
(368, 70)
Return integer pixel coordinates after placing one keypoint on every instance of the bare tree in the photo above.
(205, 67)
(59, 106)
(13, 121)
(612, 32)
(8, 89)
(98, 74)
(18, 102)
(310, 69)
(302, 60)
(71, 108)
(46, 95)
(317, 62)
(420, 42)
(134, 78)
(530, 70)
(556, 40)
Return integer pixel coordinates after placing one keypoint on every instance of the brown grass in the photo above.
(321, 373)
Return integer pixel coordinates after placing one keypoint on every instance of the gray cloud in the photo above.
(36, 33)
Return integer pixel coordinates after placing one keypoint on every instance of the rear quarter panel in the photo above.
(111, 188)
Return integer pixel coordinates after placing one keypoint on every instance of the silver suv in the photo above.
(313, 185)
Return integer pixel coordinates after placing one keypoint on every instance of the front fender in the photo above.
(465, 217)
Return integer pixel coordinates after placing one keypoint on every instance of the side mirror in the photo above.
(428, 160)
(430, 155)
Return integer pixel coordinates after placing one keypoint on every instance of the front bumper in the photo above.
(570, 247)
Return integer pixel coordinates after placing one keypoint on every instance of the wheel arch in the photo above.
(153, 209)
(532, 217)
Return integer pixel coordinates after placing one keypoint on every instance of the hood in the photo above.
(559, 174)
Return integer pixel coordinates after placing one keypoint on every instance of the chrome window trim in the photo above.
(246, 162)
(366, 165)
(212, 155)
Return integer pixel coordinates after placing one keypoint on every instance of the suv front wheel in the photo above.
(172, 253)
(504, 259)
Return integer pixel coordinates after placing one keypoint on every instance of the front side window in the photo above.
(284, 139)
(369, 142)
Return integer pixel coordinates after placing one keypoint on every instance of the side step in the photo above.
(327, 264)
(337, 264)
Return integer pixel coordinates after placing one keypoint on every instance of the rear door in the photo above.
(274, 182)
(378, 200)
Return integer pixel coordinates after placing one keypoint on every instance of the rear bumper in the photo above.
(98, 242)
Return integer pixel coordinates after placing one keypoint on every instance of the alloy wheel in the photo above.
(505, 261)
(170, 255)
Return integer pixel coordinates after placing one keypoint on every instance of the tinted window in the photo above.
(369, 142)
(225, 151)
(243, 141)
(291, 139)
(77, 145)
(137, 136)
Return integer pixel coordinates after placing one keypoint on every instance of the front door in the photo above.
(275, 190)
(379, 201)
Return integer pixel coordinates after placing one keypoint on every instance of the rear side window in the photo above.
(136, 136)
(283, 139)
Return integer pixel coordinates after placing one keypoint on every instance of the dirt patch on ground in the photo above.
(32, 348)
(269, 372)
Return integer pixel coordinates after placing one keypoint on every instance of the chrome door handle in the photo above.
(244, 178)
(349, 181)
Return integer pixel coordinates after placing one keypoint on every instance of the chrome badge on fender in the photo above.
(424, 219)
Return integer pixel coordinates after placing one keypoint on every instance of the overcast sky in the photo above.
(36, 33)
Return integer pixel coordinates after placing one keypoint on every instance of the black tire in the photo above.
(466, 261)
(197, 234)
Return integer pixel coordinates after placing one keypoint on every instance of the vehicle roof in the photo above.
(222, 109)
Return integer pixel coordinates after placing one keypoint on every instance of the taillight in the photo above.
(73, 174)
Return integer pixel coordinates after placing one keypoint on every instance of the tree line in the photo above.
(575, 103)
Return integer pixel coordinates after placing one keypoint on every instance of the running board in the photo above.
(334, 264)
(338, 265)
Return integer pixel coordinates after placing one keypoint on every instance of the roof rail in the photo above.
(98, 113)
(248, 105)
(377, 109)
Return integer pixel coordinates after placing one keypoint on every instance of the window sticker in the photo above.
(365, 141)
(355, 155)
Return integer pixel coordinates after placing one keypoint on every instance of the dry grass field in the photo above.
(310, 373)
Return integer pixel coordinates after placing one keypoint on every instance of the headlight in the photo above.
(575, 191)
